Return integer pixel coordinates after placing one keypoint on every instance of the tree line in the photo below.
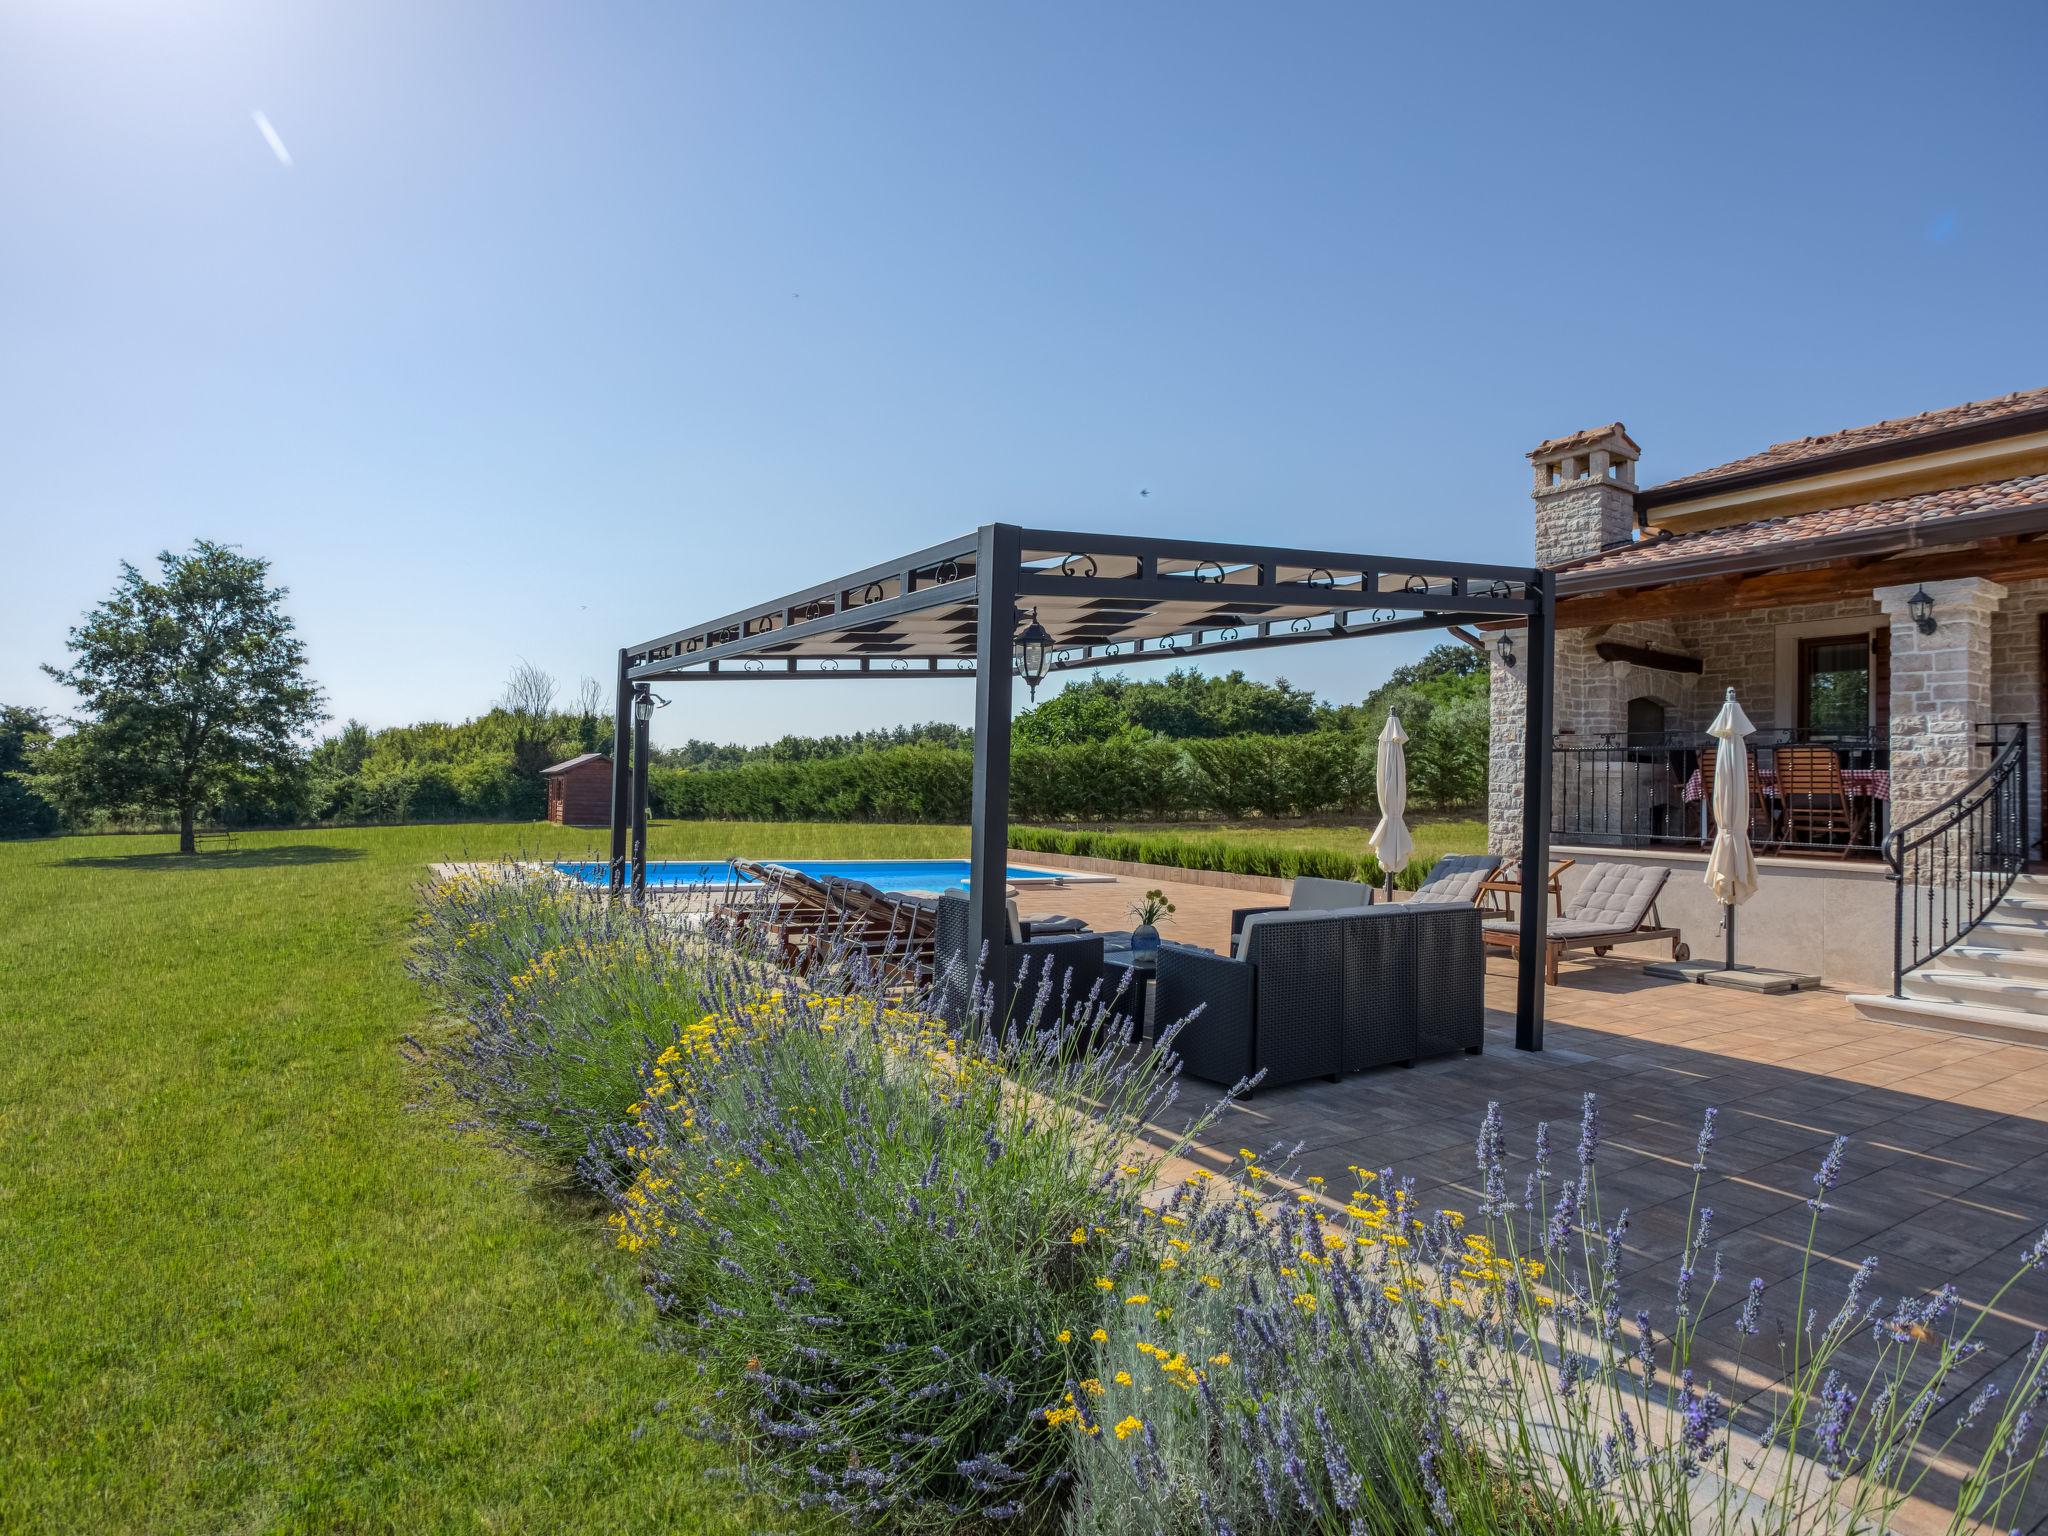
(196, 707)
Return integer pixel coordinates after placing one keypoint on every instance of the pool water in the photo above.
(882, 874)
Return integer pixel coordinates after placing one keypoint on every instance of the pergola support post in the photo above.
(622, 768)
(1539, 667)
(639, 796)
(997, 569)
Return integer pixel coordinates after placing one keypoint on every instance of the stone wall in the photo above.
(1582, 518)
(1740, 651)
(1508, 699)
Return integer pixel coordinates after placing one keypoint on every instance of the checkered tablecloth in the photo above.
(1869, 783)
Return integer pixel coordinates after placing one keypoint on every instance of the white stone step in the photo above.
(1958, 1018)
(1942, 983)
(2022, 937)
(1982, 955)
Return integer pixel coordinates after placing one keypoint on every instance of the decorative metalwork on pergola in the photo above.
(957, 609)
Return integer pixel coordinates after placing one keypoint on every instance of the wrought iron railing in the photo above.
(1646, 790)
(1951, 866)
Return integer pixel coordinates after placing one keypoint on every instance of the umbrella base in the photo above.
(1744, 978)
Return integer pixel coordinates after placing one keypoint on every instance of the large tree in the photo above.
(194, 687)
(23, 812)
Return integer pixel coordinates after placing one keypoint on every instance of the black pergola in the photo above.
(955, 610)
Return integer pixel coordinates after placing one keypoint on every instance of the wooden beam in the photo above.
(2004, 560)
(1643, 656)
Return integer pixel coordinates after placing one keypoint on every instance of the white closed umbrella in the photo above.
(1731, 867)
(1391, 844)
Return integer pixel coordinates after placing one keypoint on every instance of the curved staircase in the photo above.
(1993, 981)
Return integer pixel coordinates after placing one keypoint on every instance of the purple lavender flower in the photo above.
(1542, 1151)
(1829, 1174)
(1706, 1141)
(1491, 1151)
(1983, 1400)
(1839, 1403)
(1564, 1217)
(1752, 1306)
(1589, 1133)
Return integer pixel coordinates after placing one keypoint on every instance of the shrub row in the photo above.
(1126, 779)
(1215, 853)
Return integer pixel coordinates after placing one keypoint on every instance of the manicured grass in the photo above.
(246, 1286)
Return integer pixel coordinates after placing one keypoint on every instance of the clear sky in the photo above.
(568, 324)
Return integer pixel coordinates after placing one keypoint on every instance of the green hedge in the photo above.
(1217, 853)
(1127, 779)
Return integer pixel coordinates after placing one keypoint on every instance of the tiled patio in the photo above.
(1946, 1177)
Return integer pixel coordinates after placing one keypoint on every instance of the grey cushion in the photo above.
(1312, 893)
(1262, 920)
(1456, 877)
(1616, 897)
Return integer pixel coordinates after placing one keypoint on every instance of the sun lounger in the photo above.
(1457, 877)
(1614, 904)
(806, 921)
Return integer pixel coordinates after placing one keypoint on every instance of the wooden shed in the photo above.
(580, 791)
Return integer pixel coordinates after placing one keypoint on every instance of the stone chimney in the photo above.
(1585, 493)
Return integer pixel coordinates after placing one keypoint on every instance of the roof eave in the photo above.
(2017, 424)
(1925, 534)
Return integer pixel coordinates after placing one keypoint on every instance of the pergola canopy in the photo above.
(1106, 600)
(955, 609)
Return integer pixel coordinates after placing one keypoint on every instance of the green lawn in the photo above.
(246, 1286)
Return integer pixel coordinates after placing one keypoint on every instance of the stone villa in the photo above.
(1878, 598)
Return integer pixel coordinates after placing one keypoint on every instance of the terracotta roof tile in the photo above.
(1659, 550)
(1898, 430)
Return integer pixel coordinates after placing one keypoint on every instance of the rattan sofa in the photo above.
(1076, 959)
(1316, 994)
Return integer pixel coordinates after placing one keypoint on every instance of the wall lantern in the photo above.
(645, 703)
(1921, 606)
(1506, 650)
(1031, 645)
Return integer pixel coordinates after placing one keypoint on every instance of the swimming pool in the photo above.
(882, 874)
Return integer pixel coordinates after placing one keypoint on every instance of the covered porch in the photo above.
(1891, 657)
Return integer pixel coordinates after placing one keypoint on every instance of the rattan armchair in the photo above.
(1075, 961)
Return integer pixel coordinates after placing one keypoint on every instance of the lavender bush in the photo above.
(554, 1001)
(884, 1243)
(1367, 1367)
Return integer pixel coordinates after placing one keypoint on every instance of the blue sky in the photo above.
(570, 324)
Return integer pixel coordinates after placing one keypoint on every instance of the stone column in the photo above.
(1508, 699)
(1941, 690)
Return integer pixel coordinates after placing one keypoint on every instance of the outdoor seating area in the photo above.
(1007, 603)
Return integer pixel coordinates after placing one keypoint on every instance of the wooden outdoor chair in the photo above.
(1498, 891)
(1760, 812)
(1814, 802)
